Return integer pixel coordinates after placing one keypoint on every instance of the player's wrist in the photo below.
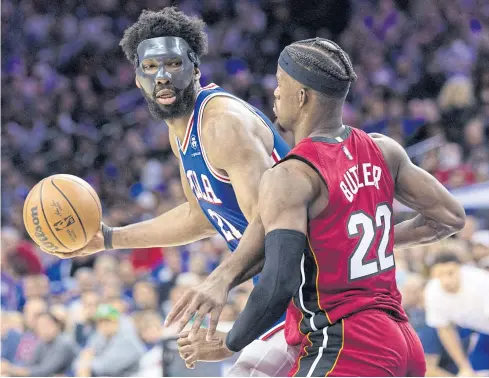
(108, 237)
(222, 278)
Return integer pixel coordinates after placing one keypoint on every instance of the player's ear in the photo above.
(137, 82)
(197, 74)
(303, 97)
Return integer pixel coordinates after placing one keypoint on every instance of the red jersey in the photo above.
(348, 265)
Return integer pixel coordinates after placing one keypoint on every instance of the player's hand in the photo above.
(208, 297)
(199, 349)
(95, 245)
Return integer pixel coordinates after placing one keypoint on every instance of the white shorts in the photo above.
(269, 356)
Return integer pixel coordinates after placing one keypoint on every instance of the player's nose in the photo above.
(276, 93)
(162, 80)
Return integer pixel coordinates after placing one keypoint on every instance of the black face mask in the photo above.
(183, 105)
(157, 52)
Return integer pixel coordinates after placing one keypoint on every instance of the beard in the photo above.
(183, 105)
(279, 127)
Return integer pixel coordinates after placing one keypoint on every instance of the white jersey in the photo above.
(468, 308)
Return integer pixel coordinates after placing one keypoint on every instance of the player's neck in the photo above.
(178, 126)
(319, 125)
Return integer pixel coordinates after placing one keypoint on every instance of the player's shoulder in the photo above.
(290, 178)
(228, 115)
(226, 122)
(393, 153)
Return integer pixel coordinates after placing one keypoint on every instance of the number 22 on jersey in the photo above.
(365, 227)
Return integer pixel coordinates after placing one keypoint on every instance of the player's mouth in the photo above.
(166, 97)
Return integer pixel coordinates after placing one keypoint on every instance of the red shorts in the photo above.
(369, 343)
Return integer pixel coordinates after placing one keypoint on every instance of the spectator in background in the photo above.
(150, 331)
(85, 282)
(54, 353)
(114, 350)
(84, 317)
(456, 296)
(18, 255)
(36, 286)
(438, 362)
(112, 289)
(480, 245)
(10, 336)
(146, 297)
(128, 277)
(105, 265)
(29, 340)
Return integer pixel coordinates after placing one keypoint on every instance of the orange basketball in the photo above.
(62, 213)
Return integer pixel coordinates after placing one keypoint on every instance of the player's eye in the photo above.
(174, 64)
(149, 67)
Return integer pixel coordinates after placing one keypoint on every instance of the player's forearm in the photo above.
(247, 260)
(179, 226)
(421, 230)
(452, 344)
(278, 283)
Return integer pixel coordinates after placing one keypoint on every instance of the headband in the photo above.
(321, 83)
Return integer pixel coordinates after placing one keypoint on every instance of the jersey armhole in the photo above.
(305, 161)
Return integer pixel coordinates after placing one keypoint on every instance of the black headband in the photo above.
(324, 84)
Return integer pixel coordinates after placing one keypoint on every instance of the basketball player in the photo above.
(224, 145)
(326, 218)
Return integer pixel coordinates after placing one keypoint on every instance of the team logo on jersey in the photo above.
(193, 142)
(195, 146)
(347, 153)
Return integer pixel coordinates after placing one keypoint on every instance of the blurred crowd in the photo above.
(69, 105)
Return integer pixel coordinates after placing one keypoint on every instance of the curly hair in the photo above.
(166, 22)
(323, 57)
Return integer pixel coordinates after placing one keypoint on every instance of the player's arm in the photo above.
(233, 145)
(439, 214)
(182, 225)
(286, 194)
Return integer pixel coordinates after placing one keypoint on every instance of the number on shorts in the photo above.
(363, 225)
(231, 233)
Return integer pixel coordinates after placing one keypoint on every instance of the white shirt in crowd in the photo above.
(468, 308)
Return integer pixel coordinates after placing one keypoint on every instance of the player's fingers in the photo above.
(188, 314)
(60, 255)
(182, 341)
(190, 360)
(179, 307)
(215, 313)
(199, 318)
(183, 335)
(186, 351)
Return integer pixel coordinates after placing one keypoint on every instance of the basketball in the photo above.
(62, 213)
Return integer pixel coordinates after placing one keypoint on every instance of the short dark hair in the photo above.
(323, 57)
(443, 258)
(167, 22)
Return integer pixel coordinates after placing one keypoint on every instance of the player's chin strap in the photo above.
(107, 232)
